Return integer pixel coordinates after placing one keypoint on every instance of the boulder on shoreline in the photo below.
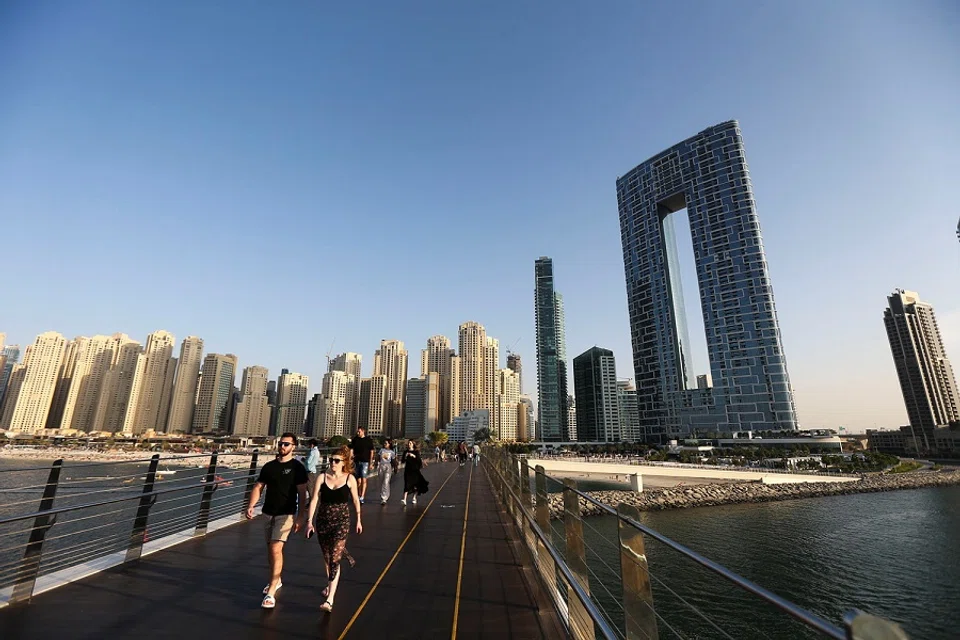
(708, 495)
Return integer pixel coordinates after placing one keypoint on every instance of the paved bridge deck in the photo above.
(405, 583)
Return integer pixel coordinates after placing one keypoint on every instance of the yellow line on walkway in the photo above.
(463, 546)
(390, 564)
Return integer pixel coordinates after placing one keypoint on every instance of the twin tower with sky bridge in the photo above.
(707, 176)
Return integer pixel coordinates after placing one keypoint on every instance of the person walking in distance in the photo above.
(362, 446)
(476, 454)
(386, 461)
(329, 517)
(313, 459)
(462, 453)
(285, 481)
(413, 480)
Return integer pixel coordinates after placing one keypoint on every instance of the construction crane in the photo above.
(329, 351)
(510, 348)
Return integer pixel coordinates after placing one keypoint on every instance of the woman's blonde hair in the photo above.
(347, 454)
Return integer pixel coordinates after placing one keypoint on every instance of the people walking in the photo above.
(329, 517)
(362, 446)
(413, 480)
(437, 452)
(313, 459)
(476, 454)
(462, 453)
(386, 460)
(285, 480)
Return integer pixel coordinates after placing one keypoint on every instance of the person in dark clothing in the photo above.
(331, 503)
(285, 480)
(362, 446)
(413, 480)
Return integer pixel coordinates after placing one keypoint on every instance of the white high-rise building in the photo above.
(214, 393)
(92, 363)
(39, 382)
(113, 404)
(479, 362)
(508, 399)
(292, 402)
(253, 411)
(338, 397)
(441, 359)
(153, 384)
(468, 423)
(373, 405)
(72, 352)
(350, 363)
(184, 398)
(390, 360)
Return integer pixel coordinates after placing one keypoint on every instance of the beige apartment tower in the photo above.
(373, 405)
(184, 397)
(479, 362)
(390, 360)
(153, 385)
(91, 365)
(508, 403)
(338, 405)
(216, 388)
(350, 363)
(441, 359)
(114, 400)
(35, 394)
(292, 402)
(253, 410)
(71, 354)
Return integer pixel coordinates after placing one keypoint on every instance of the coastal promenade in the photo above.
(445, 568)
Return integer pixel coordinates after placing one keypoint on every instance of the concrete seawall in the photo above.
(706, 495)
(558, 467)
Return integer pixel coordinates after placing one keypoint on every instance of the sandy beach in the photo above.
(649, 482)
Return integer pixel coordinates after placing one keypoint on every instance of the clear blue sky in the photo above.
(274, 176)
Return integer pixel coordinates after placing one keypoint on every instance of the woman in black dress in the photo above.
(413, 480)
(331, 504)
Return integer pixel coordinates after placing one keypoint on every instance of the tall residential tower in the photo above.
(551, 354)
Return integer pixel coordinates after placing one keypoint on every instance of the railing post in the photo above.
(203, 518)
(135, 547)
(863, 626)
(639, 616)
(525, 497)
(30, 565)
(251, 480)
(581, 625)
(545, 563)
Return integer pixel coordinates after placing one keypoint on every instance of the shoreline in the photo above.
(167, 459)
(711, 495)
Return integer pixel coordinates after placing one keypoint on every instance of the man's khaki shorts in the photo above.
(278, 528)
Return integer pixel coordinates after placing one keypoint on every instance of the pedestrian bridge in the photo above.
(150, 554)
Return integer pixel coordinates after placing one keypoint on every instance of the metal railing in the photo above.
(576, 563)
(85, 523)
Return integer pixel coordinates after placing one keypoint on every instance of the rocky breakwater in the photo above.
(708, 495)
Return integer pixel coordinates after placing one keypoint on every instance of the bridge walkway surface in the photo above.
(417, 576)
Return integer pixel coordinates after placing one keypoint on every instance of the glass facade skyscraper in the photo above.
(551, 355)
(707, 175)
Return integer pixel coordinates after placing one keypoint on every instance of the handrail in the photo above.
(561, 564)
(808, 618)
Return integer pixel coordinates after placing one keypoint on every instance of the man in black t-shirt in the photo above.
(285, 506)
(362, 446)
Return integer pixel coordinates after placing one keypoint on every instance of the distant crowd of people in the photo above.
(299, 496)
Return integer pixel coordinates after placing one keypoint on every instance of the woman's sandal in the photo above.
(269, 602)
(326, 606)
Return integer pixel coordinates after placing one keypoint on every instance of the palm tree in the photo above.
(438, 438)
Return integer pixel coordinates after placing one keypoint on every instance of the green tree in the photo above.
(337, 441)
(437, 438)
(482, 435)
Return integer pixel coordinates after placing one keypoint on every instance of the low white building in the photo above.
(467, 423)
